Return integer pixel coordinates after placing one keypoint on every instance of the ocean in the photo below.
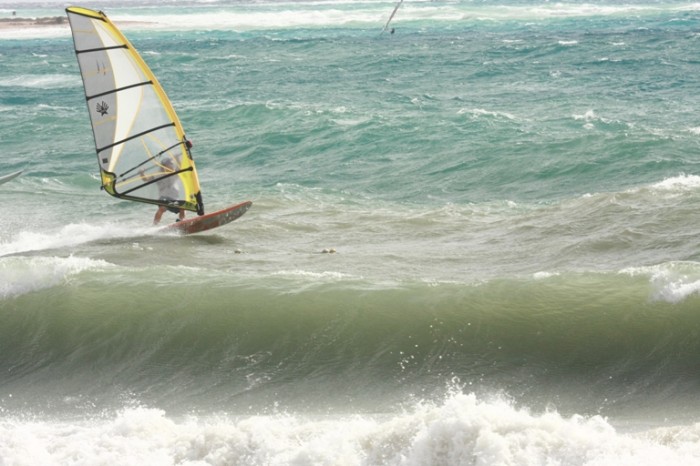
(473, 241)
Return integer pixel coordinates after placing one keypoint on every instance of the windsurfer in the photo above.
(167, 192)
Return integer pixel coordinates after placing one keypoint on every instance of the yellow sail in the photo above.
(142, 151)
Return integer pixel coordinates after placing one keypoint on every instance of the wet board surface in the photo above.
(209, 221)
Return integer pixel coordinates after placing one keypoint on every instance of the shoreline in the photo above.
(48, 21)
(13, 23)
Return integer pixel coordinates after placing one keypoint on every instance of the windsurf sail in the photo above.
(398, 4)
(142, 151)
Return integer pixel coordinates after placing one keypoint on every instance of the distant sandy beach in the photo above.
(25, 23)
(21, 23)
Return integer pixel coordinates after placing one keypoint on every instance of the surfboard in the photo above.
(6, 178)
(209, 221)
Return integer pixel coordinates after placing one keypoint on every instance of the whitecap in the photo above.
(43, 81)
(20, 275)
(462, 429)
(672, 282)
(69, 235)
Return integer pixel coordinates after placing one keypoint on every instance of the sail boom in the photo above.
(149, 160)
(155, 180)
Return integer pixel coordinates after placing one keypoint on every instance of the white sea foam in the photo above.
(672, 282)
(460, 430)
(676, 291)
(249, 19)
(480, 112)
(681, 182)
(327, 276)
(69, 235)
(43, 81)
(20, 275)
(672, 187)
(590, 115)
(545, 275)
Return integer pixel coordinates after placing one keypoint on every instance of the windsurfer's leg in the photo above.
(181, 215)
(159, 214)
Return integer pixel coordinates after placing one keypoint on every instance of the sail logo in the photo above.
(102, 108)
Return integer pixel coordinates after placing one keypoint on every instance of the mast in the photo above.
(398, 4)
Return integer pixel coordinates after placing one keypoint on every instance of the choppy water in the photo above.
(510, 190)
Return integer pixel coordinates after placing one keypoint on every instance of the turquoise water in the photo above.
(510, 192)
